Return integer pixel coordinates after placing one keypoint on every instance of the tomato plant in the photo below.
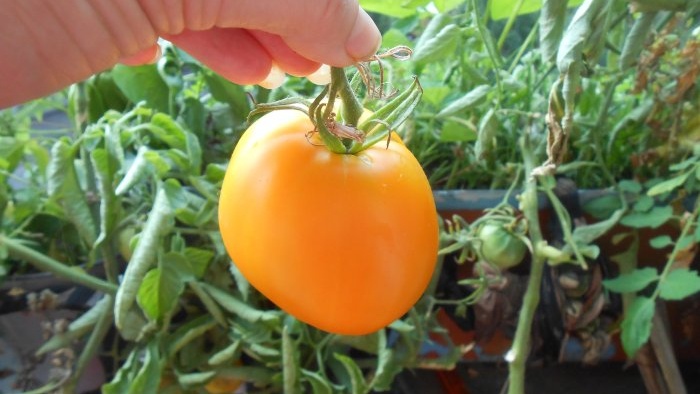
(344, 242)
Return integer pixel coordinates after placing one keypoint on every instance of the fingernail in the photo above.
(157, 55)
(365, 39)
(274, 79)
(322, 76)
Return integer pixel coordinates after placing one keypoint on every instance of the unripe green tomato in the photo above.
(500, 246)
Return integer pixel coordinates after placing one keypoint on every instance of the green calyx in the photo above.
(342, 132)
(345, 134)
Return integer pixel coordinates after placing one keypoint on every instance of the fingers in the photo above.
(287, 59)
(233, 53)
(242, 56)
(144, 56)
(335, 32)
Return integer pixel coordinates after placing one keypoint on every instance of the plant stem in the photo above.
(352, 109)
(45, 263)
(509, 24)
(518, 354)
(92, 346)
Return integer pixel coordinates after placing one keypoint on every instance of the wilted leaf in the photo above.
(634, 42)
(552, 19)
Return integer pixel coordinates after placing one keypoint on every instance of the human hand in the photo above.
(47, 45)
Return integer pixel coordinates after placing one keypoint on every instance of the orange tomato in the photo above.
(346, 243)
(221, 385)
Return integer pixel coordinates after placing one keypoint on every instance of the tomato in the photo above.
(222, 385)
(346, 243)
(500, 246)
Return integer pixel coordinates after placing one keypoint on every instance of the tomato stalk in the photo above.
(352, 108)
(519, 352)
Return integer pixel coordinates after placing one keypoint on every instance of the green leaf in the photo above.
(397, 9)
(679, 284)
(165, 129)
(121, 381)
(225, 355)
(455, 130)
(439, 46)
(240, 308)
(187, 332)
(634, 42)
(583, 32)
(194, 379)
(632, 282)
(139, 374)
(63, 185)
(501, 9)
(589, 233)
(103, 95)
(105, 169)
(630, 186)
(199, 259)
(661, 242)
(486, 137)
(388, 365)
(159, 292)
(148, 376)
(319, 384)
(644, 204)
(357, 380)
(435, 94)
(603, 207)
(228, 92)
(138, 169)
(427, 37)
(160, 220)
(180, 266)
(447, 5)
(395, 37)
(471, 99)
(636, 326)
(142, 83)
(155, 159)
(654, 218)
(668, 185)
(551, 24)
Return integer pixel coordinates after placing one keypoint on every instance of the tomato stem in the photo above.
(520, 350)
(352, 108)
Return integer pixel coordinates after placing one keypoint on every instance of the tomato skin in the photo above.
(346, 243)
(500, 247)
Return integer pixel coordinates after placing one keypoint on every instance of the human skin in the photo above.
(46, 45)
